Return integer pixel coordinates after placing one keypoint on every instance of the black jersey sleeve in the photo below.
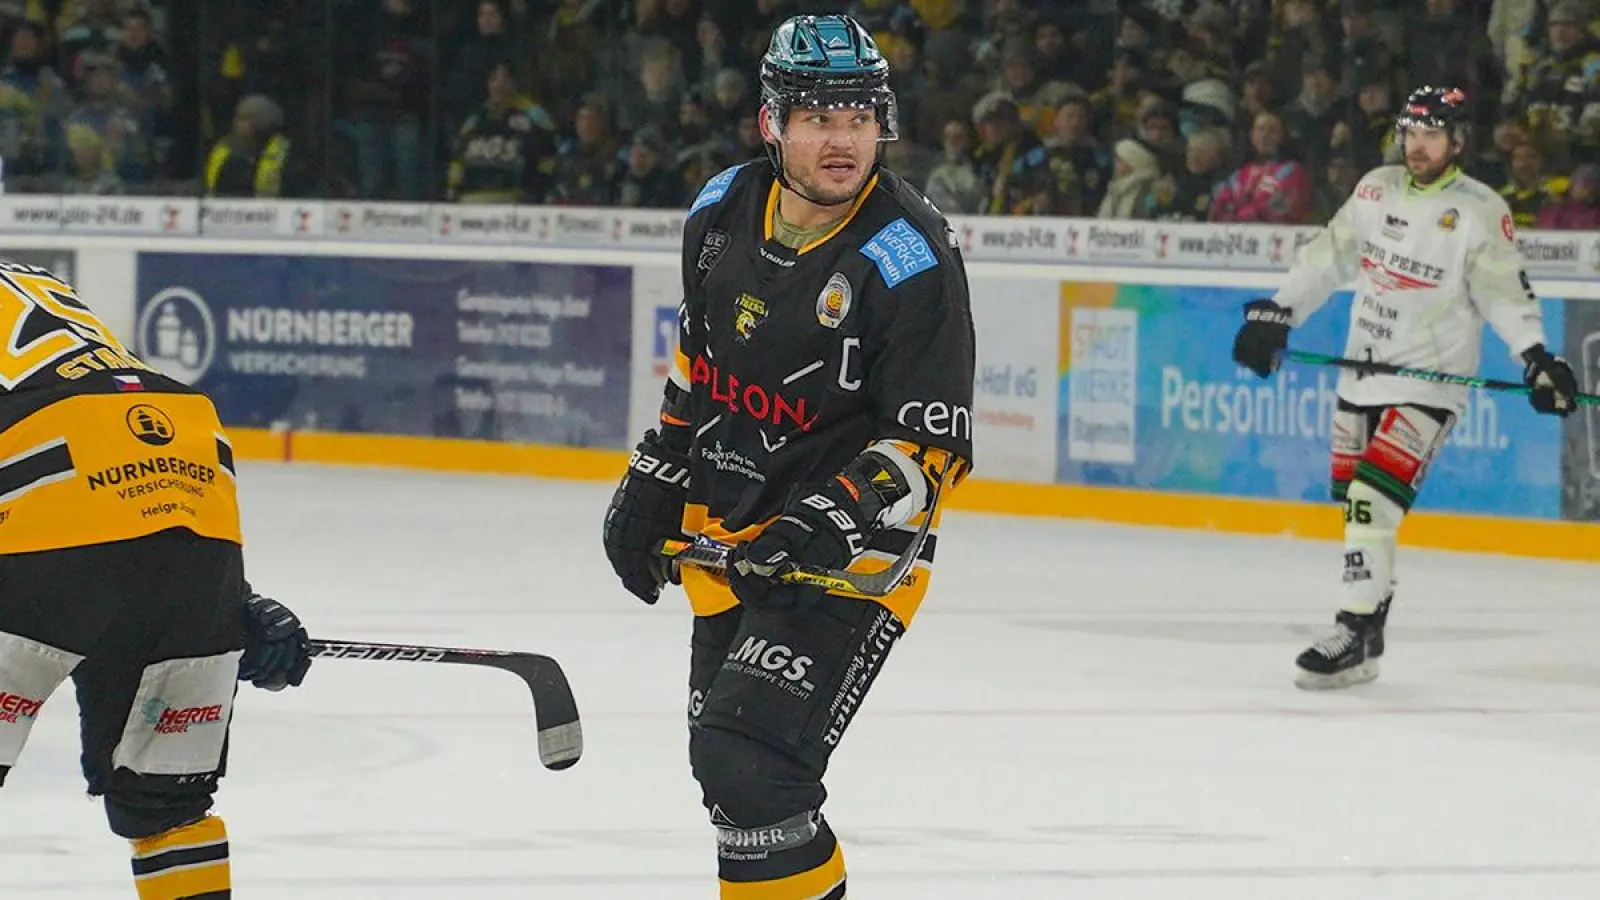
(702, 248)
(921, 371)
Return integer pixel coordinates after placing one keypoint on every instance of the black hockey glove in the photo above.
(1262, 337)
(1554, 387)
(646, 509)
(277, 650)
(826, 526)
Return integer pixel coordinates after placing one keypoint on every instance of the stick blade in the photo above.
(554, 709)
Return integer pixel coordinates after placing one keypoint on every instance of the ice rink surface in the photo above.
(1080, 711)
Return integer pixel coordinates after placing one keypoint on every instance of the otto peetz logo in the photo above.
(177, 335)
(150, 425)
(166, 719)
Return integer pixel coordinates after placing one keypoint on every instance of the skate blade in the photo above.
(1316, 681)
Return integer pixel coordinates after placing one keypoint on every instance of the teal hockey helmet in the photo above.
(824, 62)
(827, 62)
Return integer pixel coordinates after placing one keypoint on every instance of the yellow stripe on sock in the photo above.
(809, 885)
(198, 881)
(209, 830)
(191, 861)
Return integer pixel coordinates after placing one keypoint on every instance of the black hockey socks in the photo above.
(187, 863)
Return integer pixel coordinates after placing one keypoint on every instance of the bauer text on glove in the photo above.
(646, 509)
(1264, 334)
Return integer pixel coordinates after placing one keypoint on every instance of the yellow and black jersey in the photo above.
(95, 446)
(792, 361)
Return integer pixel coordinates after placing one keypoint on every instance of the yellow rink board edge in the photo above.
(1237, 515)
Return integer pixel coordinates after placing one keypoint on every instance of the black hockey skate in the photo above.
(1348, 655)
(1381, 618)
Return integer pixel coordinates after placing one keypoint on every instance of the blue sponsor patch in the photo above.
(900, 252)
(715, 188)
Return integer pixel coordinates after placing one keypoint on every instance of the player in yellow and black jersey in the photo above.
(823, 388)
(121, 568)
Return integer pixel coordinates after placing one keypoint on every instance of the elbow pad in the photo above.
(675, 414)
(887, 483)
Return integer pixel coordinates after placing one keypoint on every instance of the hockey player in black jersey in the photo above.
(822, 389)
(121, 568)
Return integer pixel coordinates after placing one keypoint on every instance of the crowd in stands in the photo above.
(1196, 110)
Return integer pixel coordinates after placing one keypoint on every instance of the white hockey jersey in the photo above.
(1428, 267)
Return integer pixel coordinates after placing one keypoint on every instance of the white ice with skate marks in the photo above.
(1081, 711)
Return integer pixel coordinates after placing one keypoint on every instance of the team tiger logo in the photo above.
(750, 313)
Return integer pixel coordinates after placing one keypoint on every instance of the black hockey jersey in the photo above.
(502, 156)
(796, 360)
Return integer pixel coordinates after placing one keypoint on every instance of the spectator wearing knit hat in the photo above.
(251, 159)
(1208, 103)
(1133, 177)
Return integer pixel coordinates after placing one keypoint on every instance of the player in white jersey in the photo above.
(1432, 255)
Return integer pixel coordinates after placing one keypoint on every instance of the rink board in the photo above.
(493, 341)
(1113, 401)
(1237, 515)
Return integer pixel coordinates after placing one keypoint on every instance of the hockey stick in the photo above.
(560, 732)
(1378, 368)
(712, 554)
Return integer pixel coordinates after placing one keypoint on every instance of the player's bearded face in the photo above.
(1427, 153)
(828, 153)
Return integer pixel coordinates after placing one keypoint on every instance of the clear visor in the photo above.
(879, 103)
